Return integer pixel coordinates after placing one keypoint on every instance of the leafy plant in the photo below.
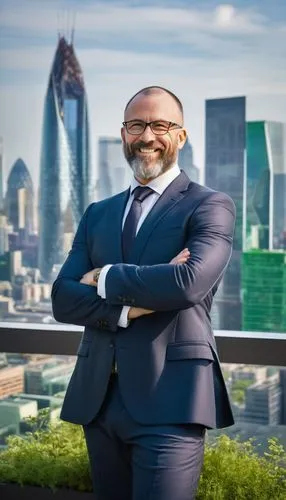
(54, 455)
(234, 471)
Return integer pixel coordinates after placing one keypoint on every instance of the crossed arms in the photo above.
(158, 287)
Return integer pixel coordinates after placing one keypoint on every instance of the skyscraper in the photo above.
(265, 214)
(225, 159)
(114, 172)
(263, 403)
(185, 161)
(65, 177)
(1, 174)
(19, 200)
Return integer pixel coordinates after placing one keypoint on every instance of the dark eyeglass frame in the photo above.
(170, 125)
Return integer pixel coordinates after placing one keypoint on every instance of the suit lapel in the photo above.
(172, 195)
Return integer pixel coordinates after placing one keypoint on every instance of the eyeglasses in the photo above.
(158, 127)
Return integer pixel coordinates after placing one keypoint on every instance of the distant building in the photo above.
(114, 172)
(10, 265)
(39, 377)
(5, 229)
(247, 372)
(65, 171)
(19, 199)
(224, 171)
(37, 292)
(14, 409)
(11, 380)
(265, 214)
(263, 403)
(282, 379)
(3, 360)
(185, 161)
(263, 291)
(1, 175)
(6, 306)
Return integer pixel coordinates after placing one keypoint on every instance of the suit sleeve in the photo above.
(77, 303)
(164, 287)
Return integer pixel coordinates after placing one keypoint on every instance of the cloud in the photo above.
(97, 18)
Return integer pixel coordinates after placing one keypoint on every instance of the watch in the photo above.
(96, 274)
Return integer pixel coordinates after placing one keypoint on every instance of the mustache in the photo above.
(141, 144)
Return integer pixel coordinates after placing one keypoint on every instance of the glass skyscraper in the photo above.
(114, 172)
(265, 213)
(65, 171)
(1, 175)
(225, 164)
(185, 161)
(19, 179)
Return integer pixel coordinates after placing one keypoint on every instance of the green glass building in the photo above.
(265, 184)
(264, 291)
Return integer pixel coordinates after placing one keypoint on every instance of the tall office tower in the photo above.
(114, 173)
(185, 161)
(265, 213)
(65, 177)
(282, 379)
(5, 229)
(264, 291)
(20, 206)
(263, 403)
(225, 158)
(1, 175)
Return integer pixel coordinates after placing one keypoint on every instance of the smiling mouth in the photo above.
(147, 150)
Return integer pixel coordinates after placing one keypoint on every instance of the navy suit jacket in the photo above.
(167, 361)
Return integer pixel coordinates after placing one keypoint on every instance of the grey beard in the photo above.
(142, 171)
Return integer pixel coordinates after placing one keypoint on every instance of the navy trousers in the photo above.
(130, 461)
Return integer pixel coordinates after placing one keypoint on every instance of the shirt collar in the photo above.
(160, 183)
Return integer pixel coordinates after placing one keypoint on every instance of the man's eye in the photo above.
(160, 125)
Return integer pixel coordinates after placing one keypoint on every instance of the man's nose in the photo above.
(147, 135)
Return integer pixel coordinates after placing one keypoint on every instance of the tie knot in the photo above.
(141, 192)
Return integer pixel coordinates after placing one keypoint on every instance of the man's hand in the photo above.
(181, 258)
(136, 312)
(88, 278)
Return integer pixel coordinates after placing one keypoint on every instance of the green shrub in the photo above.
(55, 455)
(234, 471)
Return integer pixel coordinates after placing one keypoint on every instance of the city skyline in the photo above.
(214, 50)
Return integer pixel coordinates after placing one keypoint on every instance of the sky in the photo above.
(197, 49)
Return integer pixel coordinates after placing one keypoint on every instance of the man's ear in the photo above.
(182, 137)
(123, 135)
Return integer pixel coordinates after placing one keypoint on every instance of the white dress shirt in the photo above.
(158, 185)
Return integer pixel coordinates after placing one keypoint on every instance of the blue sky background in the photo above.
(198, 49)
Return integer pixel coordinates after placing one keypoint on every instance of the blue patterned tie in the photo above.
(133, 216)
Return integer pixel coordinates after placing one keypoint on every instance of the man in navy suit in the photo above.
(147, 382)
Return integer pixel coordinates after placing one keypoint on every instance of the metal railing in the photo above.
(255, 348)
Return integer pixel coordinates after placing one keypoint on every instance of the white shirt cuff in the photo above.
(101, 291)
(123, 319)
